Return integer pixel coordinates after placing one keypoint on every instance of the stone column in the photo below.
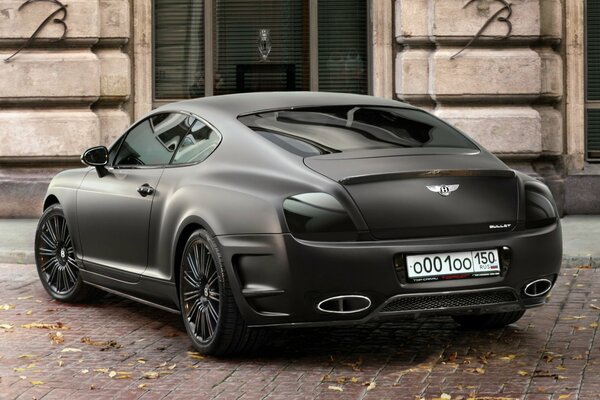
(58, 98)
(505, 93)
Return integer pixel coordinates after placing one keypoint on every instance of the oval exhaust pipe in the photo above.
(347, 304)
(538, 287)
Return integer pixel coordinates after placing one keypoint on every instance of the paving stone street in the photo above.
(118, 349)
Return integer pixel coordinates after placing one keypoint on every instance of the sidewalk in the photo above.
(581, 240)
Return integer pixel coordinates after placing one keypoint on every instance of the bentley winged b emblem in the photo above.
(443, 190)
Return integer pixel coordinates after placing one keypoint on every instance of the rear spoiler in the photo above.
(387, 176)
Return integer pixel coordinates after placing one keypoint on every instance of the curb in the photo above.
(578, 261)
(17, 257)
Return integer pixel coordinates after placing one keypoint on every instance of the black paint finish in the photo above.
(130, 239)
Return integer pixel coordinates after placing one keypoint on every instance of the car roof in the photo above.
(233, 105)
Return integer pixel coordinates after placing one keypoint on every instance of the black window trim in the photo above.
(123, 137)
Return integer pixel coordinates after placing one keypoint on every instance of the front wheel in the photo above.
(208, 309)
(55, 259)
(488, 321)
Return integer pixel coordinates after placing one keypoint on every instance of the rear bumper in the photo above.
(279, 280)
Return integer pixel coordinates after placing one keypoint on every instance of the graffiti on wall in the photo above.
(502, 16)
(58, 16)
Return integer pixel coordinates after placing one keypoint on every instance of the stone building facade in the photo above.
(518, 88)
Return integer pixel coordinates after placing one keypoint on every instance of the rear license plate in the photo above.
(464, 264)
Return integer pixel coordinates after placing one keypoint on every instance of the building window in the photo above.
(592, 102)
(306, 45)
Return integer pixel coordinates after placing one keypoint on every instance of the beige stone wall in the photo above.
(504, 93)
(58, 98)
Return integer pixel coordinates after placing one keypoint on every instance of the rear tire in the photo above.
(488, 321)
(55, 259)
(208, 309)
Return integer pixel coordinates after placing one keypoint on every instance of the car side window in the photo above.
(154, 140)
(197, 145)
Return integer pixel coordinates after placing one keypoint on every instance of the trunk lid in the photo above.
(448, 192)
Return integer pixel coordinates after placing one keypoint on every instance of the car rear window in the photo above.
(315, 131)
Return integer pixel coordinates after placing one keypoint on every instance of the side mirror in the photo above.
(95, 157)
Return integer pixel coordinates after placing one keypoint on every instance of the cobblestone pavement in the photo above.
(133, 351)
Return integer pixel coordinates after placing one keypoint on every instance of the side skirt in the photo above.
(147, 291)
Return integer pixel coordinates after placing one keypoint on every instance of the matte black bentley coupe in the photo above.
(299, 209)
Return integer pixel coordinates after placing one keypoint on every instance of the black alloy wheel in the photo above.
(55, 259)
(201, 291)
(209, 312)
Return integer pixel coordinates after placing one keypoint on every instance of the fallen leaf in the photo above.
(479, 371)
(141, 361)
(27, 356)
(579, 328)
(105, 344)
(336, 388)
(56, 326)
(509, 357)
(92, 386)
(523, 373)
(355, 365)
(162, 364)
(56, 338)
(142, 386)
(19, 369)
(22, 377)
(564, 396)
(547, 374)
(171, 367)
(579, 317)
(584, 267)
(594, 325)
(85, 371)
(112, 374)
(452, 357)
(445, 396)
(354, 379)
(560, 367)
(70, 350)
(550, 356)
(123, 375)
(577, 357)
(29, 312)
(36, 383)
(370, 385)
(60, 363)
(103, 370)
(195, 355)
(151, 375)
(25, 297)
(6, 326)
(7, 307)
(595, 307)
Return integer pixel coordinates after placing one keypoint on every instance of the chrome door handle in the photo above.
(145, 190)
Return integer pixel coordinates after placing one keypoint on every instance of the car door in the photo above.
(113, 208)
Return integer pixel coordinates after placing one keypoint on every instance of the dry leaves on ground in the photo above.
(56, 338)
(195, 355)
(151, 375)
(109, 344)
(37, 325)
